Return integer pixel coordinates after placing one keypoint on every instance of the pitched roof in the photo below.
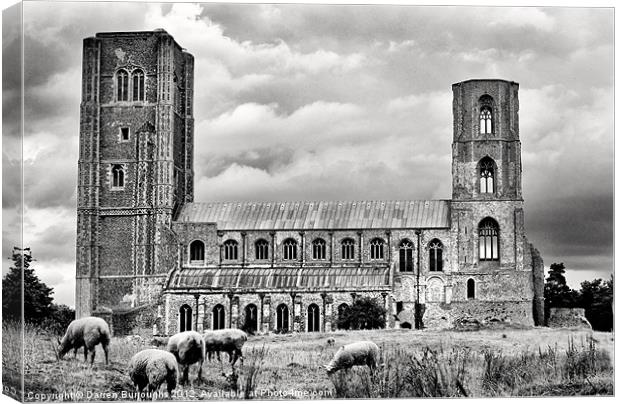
(319, 215)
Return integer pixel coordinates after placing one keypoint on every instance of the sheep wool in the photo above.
(150, 368)
(355, 354)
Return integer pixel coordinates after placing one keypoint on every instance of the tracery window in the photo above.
(261, 248)
(405, 251)
(488, 240)
(487, 175)
(318, 249)
(185, 318)
(347, 249)
(231, 250)
(137, 78)
(486, 120)
(435, 252)
(219, 317)
(118, 176)
(376, 249)
(196, 252)
(122, 86)
(289, 247)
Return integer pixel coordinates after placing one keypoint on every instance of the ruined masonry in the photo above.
(144, 245)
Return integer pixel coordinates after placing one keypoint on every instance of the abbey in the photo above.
(144, 244)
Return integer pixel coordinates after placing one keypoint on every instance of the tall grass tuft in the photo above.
(251, 370)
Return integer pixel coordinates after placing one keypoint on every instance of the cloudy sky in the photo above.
(311, 102)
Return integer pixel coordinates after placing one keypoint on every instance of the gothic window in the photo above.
(251, 318)
(196, 252)
(471, 289)
(219, 316)
(137, 79)
(124, 134)
(290, 249)
(318, 249)
(261, 248)
(486, 120)
(376, 249)
(231, 250)
(405, 251)
(118, 176)
(185, 318)
(487, 175)
(122, 86)
(282, 318)
(343, 317)
(348, 249)
(314, 323)
(488, 240)
(435, 252)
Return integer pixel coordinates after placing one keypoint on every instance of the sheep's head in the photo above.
(62, 349)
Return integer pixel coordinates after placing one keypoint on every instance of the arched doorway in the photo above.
(250, 324)
(314, 318)
(282, 318)
(185, 318)
(471, 289)
(219, 316)
(343, 317)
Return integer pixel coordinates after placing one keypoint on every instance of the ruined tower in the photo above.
(135, 165)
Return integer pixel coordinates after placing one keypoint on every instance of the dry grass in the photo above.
(418, 364)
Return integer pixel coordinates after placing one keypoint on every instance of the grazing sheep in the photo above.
(331, 341)
(149, 368)
(85, 332)
(188, 348)
(228, 340)
(354, 354)
(159, 341)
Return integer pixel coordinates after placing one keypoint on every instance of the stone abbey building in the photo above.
(144, 244)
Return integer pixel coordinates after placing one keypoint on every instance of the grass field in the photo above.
(488, 363)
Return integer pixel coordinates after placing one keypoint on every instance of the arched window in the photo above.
(196, 252)
(289, 247)
(137, 78)
(282, 318)
(471, 289)
(185, 318)
(487, 175)
(318, 249)
(343, 317)
(219, 315)
(118, 176)
(251, 318)
(231, 250)
(435, 252)
(348, 249)
(405, 253)
(486, 120)
(488, 240)
(122, 86)
(314, 318)
(261, 248)
(376, 249)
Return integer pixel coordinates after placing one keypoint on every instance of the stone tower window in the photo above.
(122, 86)
(348, 249)
(471, 289)
(124, 134)
(435, 259)
(196, 252)
(488, 240)
(405, 253)
(137, 79)
(376, 249)
(486, 120)
(185, 318)
(290, 249)
(118, 176)
(261, 248)
(318, 249)
(487, 175)
(231, 250)
(219, 316)
(282, 318)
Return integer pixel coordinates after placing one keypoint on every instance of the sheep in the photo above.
(354, 354)
(150, 368)
(188, 348)
(228, 340)
(85, 332)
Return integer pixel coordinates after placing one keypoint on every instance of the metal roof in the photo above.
(358, 278)
(319, 215)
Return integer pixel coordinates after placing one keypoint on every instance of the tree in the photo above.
(557, 292)
(37, 299)
(365, 314)
(597, 299)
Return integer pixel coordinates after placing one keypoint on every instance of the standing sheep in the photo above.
(228, 340)
(188, 348)
(354, 354)
(149, 368)
(85, 332)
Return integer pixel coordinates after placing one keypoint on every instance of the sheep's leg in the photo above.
(85, 355)
(105, 351)
(185, 374)
(92, 355)
(200, 370)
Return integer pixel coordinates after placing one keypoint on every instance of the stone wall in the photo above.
(567, 317)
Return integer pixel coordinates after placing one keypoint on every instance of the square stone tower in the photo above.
(135, 165)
